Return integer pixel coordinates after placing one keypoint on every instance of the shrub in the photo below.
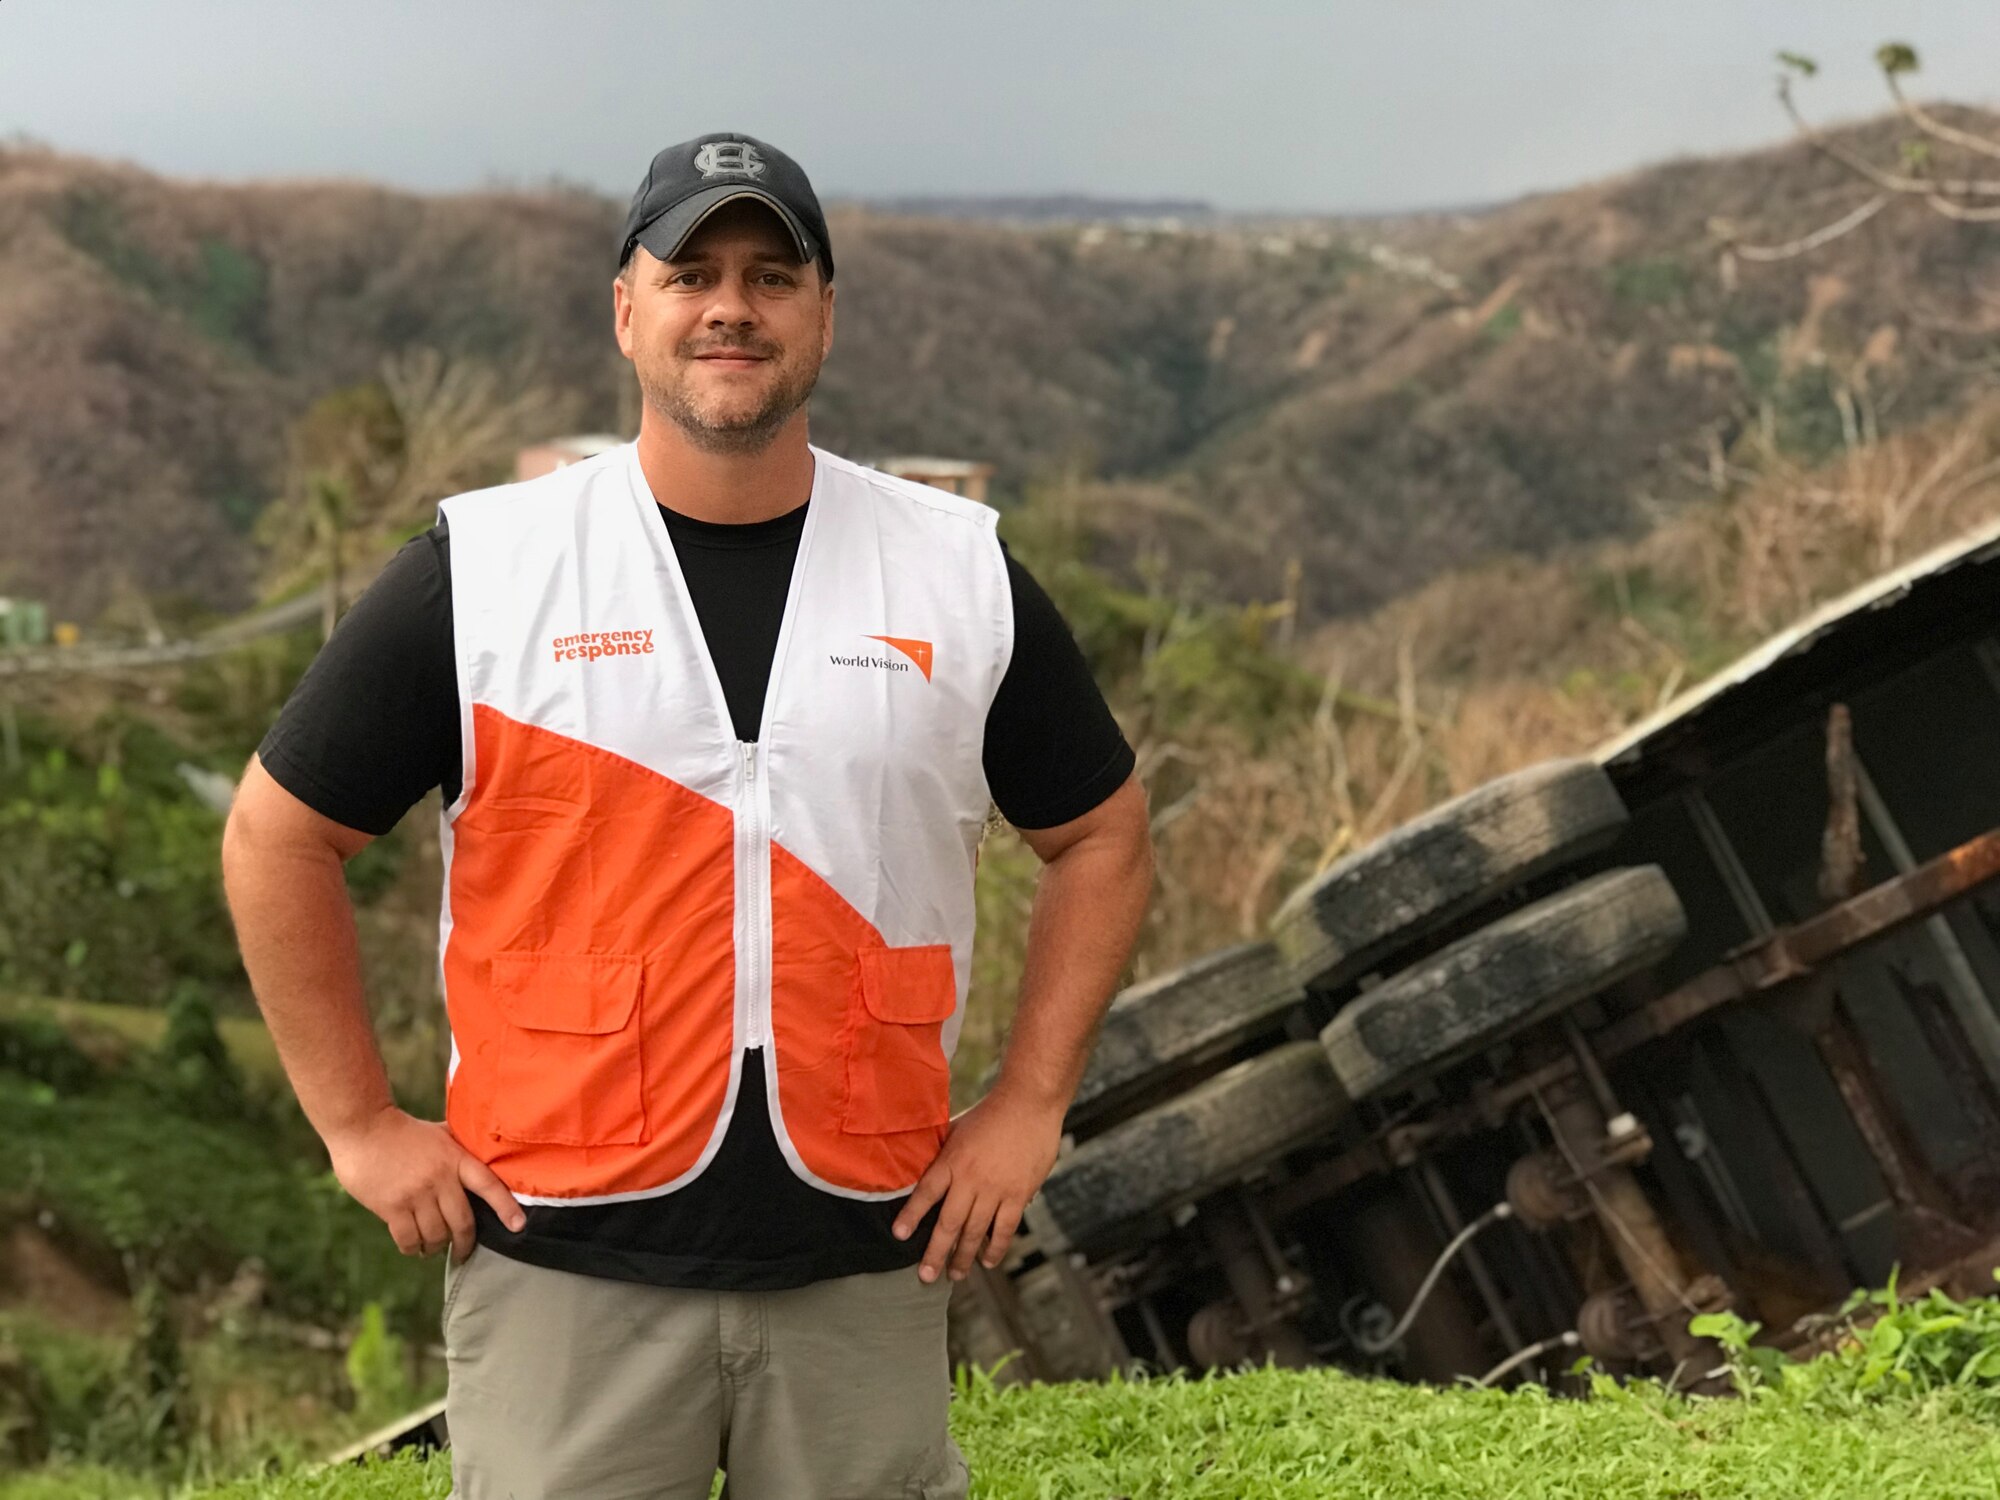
(78, 1397)
(111, 888)
(1880, 1346)
(195, 1068)
(24, 1402)
(1653, 282)
(376, 1370)
(38, 1047)
(148, 1416)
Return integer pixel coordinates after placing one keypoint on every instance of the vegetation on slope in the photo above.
(178, 1272)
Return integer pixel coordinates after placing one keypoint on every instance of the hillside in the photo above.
(1383, 401)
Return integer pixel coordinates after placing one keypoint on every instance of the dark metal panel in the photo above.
(1929, 745)
(1931, 739)
(1878, 988)
(1830, 1152)
(1665, 835)
(1774, 806)
(1786, 1219)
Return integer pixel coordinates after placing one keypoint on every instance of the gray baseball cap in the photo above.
(688, 182)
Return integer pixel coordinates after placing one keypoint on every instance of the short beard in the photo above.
(752, 433)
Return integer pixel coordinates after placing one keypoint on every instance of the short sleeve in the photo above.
(373, 724)
(1052, 751)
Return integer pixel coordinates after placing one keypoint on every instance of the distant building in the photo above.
(959, 475)
(558, 453)
(23, 622)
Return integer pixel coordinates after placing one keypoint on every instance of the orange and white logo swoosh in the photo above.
(919, 652)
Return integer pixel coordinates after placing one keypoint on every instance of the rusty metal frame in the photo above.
(1792, 953)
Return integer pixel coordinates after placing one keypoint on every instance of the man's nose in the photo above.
(729, 307)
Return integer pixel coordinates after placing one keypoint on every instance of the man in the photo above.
(717, 717)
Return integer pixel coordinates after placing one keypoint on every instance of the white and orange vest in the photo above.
(633, 896)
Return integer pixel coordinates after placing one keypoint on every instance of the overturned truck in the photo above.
(1708, 1020)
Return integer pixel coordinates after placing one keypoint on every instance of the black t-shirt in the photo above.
(374, 725)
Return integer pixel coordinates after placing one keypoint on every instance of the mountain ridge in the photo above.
(1381, 402)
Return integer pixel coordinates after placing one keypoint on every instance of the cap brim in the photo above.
(665, 235)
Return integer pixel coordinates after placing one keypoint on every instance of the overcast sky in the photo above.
(1281, 106)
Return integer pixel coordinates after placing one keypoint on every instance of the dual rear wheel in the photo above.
(1429, 950)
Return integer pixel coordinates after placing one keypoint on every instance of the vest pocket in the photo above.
(568, 1071)
(897, 1075)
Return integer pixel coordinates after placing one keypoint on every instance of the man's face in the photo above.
(728, 336)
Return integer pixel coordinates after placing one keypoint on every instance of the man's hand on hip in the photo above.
(990, 1165)
(414, 1176)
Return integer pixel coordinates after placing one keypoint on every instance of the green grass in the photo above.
(1898, 1408)
(70, 1482)
(1288, 1436)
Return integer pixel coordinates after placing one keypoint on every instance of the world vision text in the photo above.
(595, 643)
(869, 661)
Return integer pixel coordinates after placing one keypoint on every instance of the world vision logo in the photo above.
(592, 644)
(918, 654)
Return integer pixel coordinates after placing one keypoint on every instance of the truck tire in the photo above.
(1211, 1136)
(1160, 1030)
(1524, 967)
(1066, 1345)
(976, 1338)
(1380, 903)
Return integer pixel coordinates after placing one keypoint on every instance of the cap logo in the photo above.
(729, 159)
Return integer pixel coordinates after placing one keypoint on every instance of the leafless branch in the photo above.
(1810, 242)
(1412, 753)
(1930, 124)
(1942, 195)
(1963, 214)
(1893, 182)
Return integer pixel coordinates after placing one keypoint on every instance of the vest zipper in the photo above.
(754, 847)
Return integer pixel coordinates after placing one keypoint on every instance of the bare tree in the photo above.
(461, 421)
(372, 460)
(1968, 199)
(343, 456)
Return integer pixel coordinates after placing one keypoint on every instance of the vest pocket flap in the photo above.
(589, 994)
(909, 986)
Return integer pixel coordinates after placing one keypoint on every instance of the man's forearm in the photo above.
(295, 926)
(1089, 902)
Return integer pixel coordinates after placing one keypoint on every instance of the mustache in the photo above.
(757, 348)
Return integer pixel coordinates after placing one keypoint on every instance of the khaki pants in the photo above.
(586, 1388)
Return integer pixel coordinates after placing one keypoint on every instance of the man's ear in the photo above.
(638, 266)
(826, 322)
(621, 313)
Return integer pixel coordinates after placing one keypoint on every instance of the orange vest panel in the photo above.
(590, 971)
(863, 1080)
